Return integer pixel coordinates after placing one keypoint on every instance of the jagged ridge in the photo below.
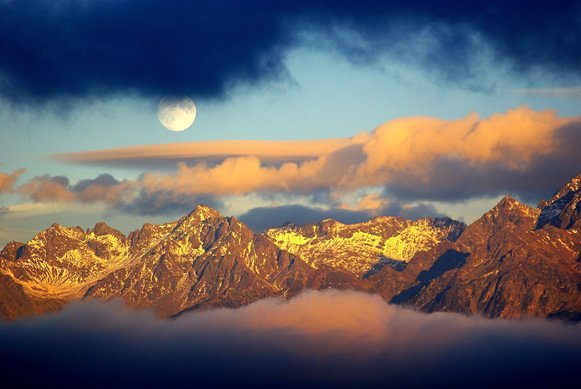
(359, 248)
(515, 261)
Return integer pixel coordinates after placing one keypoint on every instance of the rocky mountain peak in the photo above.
(193, 222)
(574, 185)
(58, 232)
(455, 228)
(200, 214)
(101, 228)
(507, 212)
(508, 202)
(385, 219)
(512, 209)
(327, 225)
(563, 210)
(204, 212)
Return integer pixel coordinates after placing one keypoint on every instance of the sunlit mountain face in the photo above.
(311, 193)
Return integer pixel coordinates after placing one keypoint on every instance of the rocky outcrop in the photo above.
(362, 249)
(503, 265)
(61, 263)
(563, 210)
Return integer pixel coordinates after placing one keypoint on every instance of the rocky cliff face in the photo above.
(363, 248)
(515, 261)
(203, 260)
(563, 210)
(16, 303)
(512, 262)
(61, 263)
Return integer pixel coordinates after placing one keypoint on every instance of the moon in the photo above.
(176, 113)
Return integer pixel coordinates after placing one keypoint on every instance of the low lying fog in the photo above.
(329, 337)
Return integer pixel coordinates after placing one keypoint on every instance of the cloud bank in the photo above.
(73, 50)
(331, 337)
(522, 152)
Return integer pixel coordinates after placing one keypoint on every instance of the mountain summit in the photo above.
(515, 261)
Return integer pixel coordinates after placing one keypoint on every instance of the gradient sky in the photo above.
(84, 76)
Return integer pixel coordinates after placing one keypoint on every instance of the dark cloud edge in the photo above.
(74, 50)
(262, 218)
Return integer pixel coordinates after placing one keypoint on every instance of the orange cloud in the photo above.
(47, 189)
(512, 140)
(521, 152)
(8, 180)
(404, 152)
(104, 188)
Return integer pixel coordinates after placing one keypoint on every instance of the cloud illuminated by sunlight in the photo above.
(8, 180)
(521, 152)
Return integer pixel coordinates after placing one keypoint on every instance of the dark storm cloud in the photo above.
(164, 203)
(414, 212)
(76, 49)
(261, 218)
(106, 180)
(72, 49)
(327, 338)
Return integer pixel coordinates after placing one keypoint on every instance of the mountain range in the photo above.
(514, 262)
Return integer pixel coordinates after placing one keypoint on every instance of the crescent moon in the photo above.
(176, 113)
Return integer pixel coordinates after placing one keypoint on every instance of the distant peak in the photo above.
(58, 229)
(382, 218)
(508, 200)
(102, 228)
(446, 221)
(330, 222)
(509, 203)
(200, 213)
(510, 209)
